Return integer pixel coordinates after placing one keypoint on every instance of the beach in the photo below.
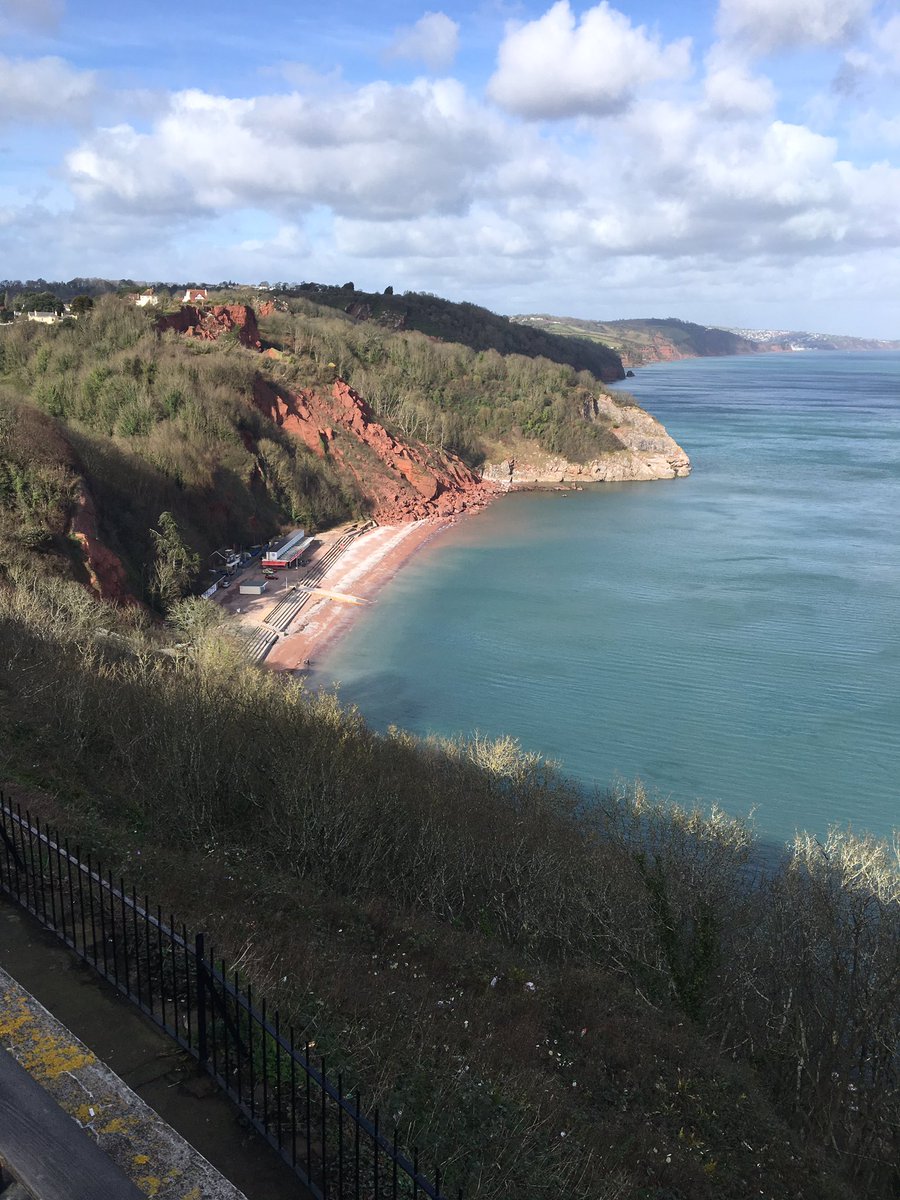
(353, 580)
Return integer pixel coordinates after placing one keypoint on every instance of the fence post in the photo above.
(202, 987)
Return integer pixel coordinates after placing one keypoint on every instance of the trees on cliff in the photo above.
(446, 393)
(81, 305)
(175, 565)
(37, 302)
(152, 424)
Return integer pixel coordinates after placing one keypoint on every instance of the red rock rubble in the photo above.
(209, 324)
(405, 481)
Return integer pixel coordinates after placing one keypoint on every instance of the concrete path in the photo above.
(107, 1060)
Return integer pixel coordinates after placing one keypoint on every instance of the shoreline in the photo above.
(357, 578)
(361, 573)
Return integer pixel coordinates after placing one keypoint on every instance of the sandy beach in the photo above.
(356, 577)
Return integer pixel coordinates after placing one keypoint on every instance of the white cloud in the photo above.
(425, 185)
(424, 172)
(288, 239)
(731, 90)
(558, 66)
(433, 40)
(788, 167)
(44, 89)
(880, 60)
(882, 132)
(766, 25)
(888, 40)
(386, 151)
(308, 79)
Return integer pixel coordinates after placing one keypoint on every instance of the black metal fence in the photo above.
(316, 1126)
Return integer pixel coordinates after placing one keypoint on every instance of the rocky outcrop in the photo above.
(105, 569)
(403, 480)
(209, 324)
(647, 452)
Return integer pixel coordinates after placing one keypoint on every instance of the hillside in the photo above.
(612, 1000)
(641, 341)
(647, 340)
(469, 325)
(237, 427)
(786, 339)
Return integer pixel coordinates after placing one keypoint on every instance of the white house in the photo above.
(146, 298)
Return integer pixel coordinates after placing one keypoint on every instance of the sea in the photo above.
(732, 638)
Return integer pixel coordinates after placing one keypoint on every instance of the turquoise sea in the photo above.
(733, 637)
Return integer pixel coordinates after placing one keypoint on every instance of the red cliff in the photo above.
(209, 324)
(105, 569)
(405, 481)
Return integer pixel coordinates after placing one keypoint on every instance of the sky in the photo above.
(731, 162)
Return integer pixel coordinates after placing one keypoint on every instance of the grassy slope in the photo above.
(686, 1036)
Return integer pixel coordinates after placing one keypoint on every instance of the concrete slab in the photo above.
(115, 1032)
(157, 1160)
(49, 1157)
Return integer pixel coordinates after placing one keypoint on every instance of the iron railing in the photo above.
(314, 1122)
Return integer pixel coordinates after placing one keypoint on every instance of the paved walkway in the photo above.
(113, 1072)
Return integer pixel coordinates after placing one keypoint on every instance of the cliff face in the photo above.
(105, 569)
(648, 452)
(657, 348)
(209, 324)
(404, 481)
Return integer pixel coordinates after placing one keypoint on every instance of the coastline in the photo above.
(358, 576)
(364, 566)
(361, 573)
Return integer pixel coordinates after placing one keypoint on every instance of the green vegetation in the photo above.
(37, 302)
(149, 425)
(467, 324)
(175, 565)
(81, 305)
(447, 394)
(555, 996)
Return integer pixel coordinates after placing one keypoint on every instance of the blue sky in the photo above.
(734, 162)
